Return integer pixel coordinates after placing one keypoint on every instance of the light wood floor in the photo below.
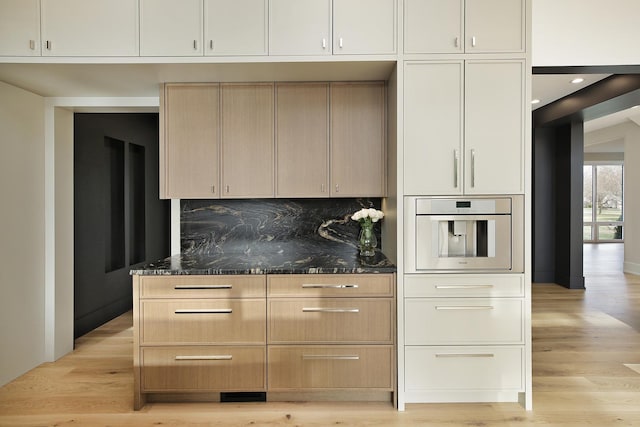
(586, 355)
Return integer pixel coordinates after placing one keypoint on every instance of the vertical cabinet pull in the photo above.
(213, 189)
(32, 44)
(340, 42)
(455, 168)
(227, 188)
(473, 41)
(337, 188)
(324, 43)
(456, 42)
(195, 45)
(211, 44)
(322, 188)
(48, 44)
(473, 168)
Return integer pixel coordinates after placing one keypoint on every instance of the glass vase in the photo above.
(368, 240)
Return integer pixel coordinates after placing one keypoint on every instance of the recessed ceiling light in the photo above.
(535, 101)
(577, 80)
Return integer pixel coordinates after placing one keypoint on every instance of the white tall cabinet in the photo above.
(19, 27)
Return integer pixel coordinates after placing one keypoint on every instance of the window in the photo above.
(603, 215)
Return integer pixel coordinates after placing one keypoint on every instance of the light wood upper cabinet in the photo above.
(170, 27)
(89, 27)
(247, 140)
(302, 140)
(300, 27)
(364, 27)
(357, 139)
(190, 141)
(19, 27)
(237, 27)
(471, 26)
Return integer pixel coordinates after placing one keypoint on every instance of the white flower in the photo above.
(367, 215)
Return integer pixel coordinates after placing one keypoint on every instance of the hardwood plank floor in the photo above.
(586, 363)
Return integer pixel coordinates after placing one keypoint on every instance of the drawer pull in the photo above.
(330, 310)
(214, 357)
(464, 307)
(192, 287)
(464, 355)
(463, 286)
(205, 311)
(314, 286)
(329, 357)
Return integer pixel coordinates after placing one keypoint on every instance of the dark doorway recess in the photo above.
(119, 220)
(558, 158)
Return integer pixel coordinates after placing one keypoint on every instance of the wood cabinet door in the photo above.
(433, 26)
(300, 27)
(494, 26)
(247, 140)
(494, 127)
(89, 27)
(170, 27)
(189, 152)
(357, 136)
(433, 128)
(302, 140)
(19, 28)
(236, 27)
(364, 27)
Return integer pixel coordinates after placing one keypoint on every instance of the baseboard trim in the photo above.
(631, 267)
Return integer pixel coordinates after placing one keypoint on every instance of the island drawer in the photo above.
(331, 285)
(464, 321)
(213, 286)
(330, 367)
(203, 368)
(203, 321)
(463, 285)
(331, 320)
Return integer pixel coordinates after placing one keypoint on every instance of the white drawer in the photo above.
(464, 369)
(463, 285)
(456, 321)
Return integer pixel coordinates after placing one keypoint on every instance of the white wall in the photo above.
(22, 231)
(630, 133)
(585, 32)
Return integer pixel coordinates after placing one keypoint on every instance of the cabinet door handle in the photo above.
(192, 287)
(227, 188)
(213, 189)
(48, 44)
(315, 286)
(212, 357)
(465, 355)
(211, 44)
(324, 43)
(455, 168)
(322, 188)
(340, 42)
(330, 310)
(337, 188)
(473, 168)
(330, 357)
(464, 307)
(195, 45)
(204, 311)
(456, 42)
(32, 44)
(463, 286)
(473, 41)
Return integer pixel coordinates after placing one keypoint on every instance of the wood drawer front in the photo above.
(203, 368)
(464, 321)
(182, 286)
(330, 367)
(331, 320)
(331, 285)
(461, 285)
(205, 321)
(464, 368)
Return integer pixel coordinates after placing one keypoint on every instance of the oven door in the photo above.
(463, 242)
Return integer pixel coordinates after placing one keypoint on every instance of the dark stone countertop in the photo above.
(301, 257)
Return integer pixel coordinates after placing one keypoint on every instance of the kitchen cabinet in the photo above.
(88, 27)
(300, 27)
(247, 140)
(302, 132)
(19, 27)
(238, 27)
(464, 26)
(190, 140)
(460, 127)
(331, 332)
(355, 34)
(357, 139)
(464, 337)
(198, 334)
(171, 28)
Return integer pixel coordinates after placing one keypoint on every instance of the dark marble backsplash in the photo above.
(255, 226)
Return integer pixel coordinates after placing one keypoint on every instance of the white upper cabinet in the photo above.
(364, 27)
(171, 27)
(237, 27)
(19, 28)
(300, 27)
(469, 26)
(89, 27)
